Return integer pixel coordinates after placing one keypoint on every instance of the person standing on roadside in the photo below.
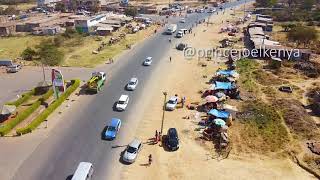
(170, 58)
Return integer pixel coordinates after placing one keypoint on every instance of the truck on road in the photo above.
(96, 82)
(172, 28)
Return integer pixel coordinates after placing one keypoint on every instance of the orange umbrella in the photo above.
(211, 98)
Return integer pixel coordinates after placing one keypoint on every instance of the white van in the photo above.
(84, 171)
(122, 103)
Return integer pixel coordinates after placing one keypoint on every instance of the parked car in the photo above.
(122, 102)
(112, 129)
(132, 151)
(172, 103)
(286, 89)
(172, 139)
(182, 20)
(179, 34)
(181, 46)
(132, 84)
(147, 61)
(13, 68)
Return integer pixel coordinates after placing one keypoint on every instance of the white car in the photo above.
(179, 34)
(122, 102)
(132, 150)
(147, 61)
(132, 84)
(182, 20)
(172, 103)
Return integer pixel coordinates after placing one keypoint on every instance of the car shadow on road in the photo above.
(163, 143)
(121, 160)
(69, 177)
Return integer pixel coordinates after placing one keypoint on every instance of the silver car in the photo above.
(132, 84)
(132, 150)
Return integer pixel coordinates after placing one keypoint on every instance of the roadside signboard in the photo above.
(57, 83)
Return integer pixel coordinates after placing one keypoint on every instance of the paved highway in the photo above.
(78, 138)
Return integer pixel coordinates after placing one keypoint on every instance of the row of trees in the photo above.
(15, 2)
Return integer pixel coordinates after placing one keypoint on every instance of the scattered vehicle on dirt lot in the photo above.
(132, 84)
(172, 139)
(172, 103)
(132, 151)
(147, 61)
(122, 102)
(13, 68)
(286, 89)
(96, 82)
(112, 129)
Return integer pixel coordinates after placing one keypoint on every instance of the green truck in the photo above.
(96, 82)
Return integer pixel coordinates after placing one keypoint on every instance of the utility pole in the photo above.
(163, 110)
(244, 10)
(44, 74)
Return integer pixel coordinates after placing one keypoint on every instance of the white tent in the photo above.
(7, 109)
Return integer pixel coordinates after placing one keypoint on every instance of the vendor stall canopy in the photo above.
(219, 114)
(7, 109)
(232, 73)
(219, 122)
(222, 85)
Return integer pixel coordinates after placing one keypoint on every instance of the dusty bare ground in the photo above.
(196, 159)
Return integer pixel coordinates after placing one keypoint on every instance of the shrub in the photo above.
(20, 117)
(38, 120)
(28, 54)
(24, 97)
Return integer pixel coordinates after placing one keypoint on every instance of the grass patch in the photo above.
(261, 128)
(81, 56)
(43, 116)
(246, 67)
(266, 79)
(24, 97)
(297, 118)
(12, 47)
(269, 91)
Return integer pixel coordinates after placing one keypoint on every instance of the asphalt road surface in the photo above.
(79, 137)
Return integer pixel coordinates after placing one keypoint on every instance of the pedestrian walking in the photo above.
(156, 137)
(150, 159)
(159, 136)
(194, 35)
(170, 58)
(183, 100)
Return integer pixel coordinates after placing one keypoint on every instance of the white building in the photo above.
(86, 24)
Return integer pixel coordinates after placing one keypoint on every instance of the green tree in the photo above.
(302, 35)
(49, 54)
(61, 7)
(131, 11)
(266, 3)
(308, 4)
(28, 54)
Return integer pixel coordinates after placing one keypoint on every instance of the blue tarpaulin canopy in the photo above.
(222, 85)
(226, 72)
(219, 122)
(219, 114)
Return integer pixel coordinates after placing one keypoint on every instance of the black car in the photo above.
(172, 140)
(181, 46)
